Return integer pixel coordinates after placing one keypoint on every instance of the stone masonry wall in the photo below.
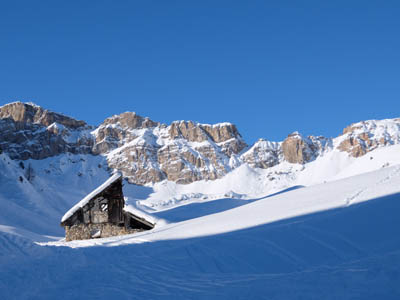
(89, 231)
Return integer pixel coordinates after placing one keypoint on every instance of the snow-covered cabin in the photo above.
(102, 213)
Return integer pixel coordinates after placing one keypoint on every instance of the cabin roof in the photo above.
(90, 196)
(140, 214)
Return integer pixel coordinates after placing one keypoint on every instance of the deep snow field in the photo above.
(327, 230)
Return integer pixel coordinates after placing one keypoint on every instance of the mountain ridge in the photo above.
(146, 151)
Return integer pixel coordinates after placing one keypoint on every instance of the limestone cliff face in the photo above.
(185, 151)
(224, 134)
(298, 149)
(146, 151)
(25, 114)
(363, 137)
(119, 129)
(187, 130)
(29, 131)
(129, 143)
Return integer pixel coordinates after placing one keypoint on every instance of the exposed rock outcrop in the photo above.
(224, 134)
(264, 154)
(187, 130)
(298, 149)
(183, 152)
(363, 137)
(25, 114)
(119, 130)
(28, 131)
(146, 151)
(131, 120)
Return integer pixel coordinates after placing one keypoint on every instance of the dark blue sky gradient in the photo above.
(270, 67)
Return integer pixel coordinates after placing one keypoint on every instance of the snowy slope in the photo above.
(268, 209)
(249, 183)
(60, 182)
(334, 240)
(56, 184)
(325, 229)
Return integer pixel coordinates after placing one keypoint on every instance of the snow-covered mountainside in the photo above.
(334, 240)
(147, 152)
(308, 217)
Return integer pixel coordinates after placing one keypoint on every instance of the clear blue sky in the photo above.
(270, 67)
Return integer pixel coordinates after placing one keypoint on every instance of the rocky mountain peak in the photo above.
(298, 149)
(29, 131)
(295, 135)
(120, 129)
(146, 151)
(29, 113)
(196, 132)
(222, 132)
(130, 120)
(363, 137)
(188, 130)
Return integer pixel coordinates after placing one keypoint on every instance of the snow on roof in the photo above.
(141, 214)
(85, 200)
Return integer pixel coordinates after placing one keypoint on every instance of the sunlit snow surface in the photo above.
(289, 232)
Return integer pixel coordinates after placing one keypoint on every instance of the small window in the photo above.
(104, 206)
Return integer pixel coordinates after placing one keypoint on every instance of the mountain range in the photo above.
(146, 151)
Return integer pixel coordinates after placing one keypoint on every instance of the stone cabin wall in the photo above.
(89, 231)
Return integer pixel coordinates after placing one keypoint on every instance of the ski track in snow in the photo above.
(349, 200)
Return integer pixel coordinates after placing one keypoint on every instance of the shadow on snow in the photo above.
(200, 209)
(344, 253)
